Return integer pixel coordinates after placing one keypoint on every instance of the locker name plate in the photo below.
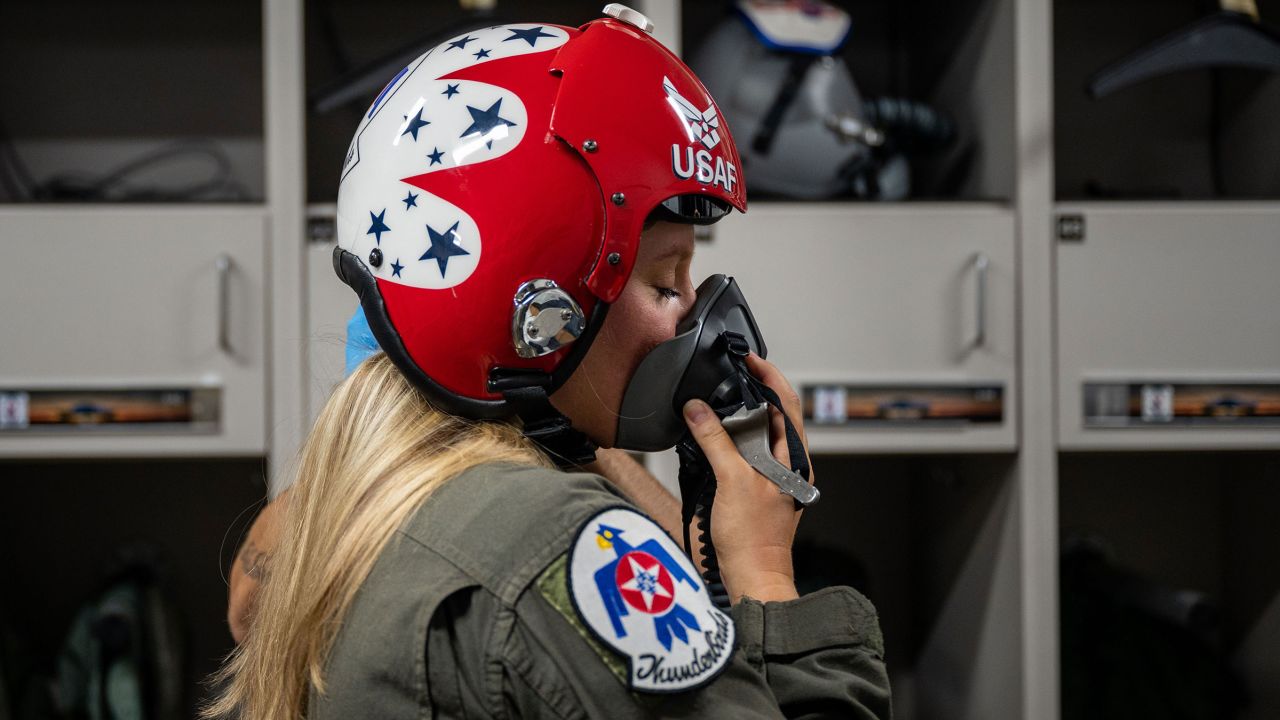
(902, 405)
(1181, 404)
(84, 411)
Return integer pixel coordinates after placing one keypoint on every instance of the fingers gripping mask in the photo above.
(707, 360)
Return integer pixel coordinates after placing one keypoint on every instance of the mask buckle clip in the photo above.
(735, 344)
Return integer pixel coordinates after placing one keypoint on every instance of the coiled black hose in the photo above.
(698, 487)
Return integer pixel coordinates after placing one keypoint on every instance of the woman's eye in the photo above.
(668, 293)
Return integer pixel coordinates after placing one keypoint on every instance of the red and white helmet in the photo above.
(493, 196)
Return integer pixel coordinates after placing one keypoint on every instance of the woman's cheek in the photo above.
(666, 329)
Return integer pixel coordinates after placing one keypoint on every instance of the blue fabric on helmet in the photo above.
(360, 341)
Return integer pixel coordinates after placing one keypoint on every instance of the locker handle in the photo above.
(223, 265)
(981, 263)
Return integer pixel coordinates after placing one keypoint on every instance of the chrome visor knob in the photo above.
(545, 319)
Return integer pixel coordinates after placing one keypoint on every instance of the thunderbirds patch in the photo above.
(639, 594)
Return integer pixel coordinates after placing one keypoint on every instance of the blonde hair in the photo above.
(376, 453)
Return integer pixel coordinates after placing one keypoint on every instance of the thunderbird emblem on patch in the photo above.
(640, 595)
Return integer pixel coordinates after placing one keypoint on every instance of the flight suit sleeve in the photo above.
(823, 654)
(816, 657)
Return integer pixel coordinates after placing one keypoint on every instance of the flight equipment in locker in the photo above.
(805, 130)
(124, 656)
(1234, 36)
(1132, 647)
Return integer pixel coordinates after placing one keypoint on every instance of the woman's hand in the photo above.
(249, 570)
(752, 523)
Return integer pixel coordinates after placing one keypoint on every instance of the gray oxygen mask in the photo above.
(696, 363)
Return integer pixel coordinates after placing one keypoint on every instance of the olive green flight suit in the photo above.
(466, 614)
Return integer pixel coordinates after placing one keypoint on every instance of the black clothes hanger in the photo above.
(358, 84)
(1232, 37)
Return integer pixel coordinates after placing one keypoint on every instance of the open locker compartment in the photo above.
(1205, 133)
(352, 51)
(1191, 537)
(136, 101)
(65, 525)
(933, 542)
(956, 57)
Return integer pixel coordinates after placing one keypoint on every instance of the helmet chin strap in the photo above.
(549, 428)
(528, 394)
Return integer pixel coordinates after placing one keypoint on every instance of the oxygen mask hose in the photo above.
(742, 404)
(698, 491)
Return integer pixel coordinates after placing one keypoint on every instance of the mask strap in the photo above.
(795, 447)
(755, 392)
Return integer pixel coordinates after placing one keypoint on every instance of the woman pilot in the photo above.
(516, 214)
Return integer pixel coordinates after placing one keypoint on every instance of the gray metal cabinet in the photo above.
(136, 298)
(866, 295)
(1165, 297)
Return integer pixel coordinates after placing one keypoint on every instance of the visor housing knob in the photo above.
(629, 16)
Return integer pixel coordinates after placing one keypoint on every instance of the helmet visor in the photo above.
(692, 209)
